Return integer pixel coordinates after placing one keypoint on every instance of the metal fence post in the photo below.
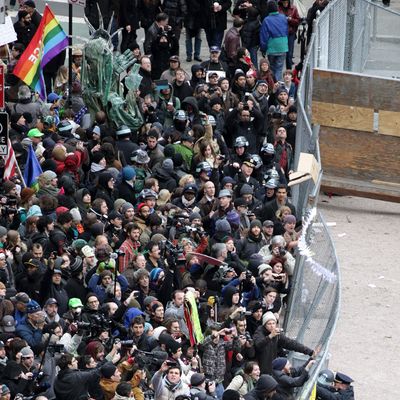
(349, 44)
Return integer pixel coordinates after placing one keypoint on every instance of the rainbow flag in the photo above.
(48, 41)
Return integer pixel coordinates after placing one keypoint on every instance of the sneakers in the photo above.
(188, 59)
(197, 58)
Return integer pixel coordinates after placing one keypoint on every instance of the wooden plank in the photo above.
(359, 155)
(347, 187)
(342, 116)
(389, 123)
(357, 90)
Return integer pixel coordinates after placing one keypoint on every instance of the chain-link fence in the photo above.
(349, 35)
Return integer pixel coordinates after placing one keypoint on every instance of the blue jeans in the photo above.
(289, 54)
(214, 37)
(190, 34)
(276, 63)
(253, 56)
(219, 390)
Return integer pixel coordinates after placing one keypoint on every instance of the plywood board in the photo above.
(351, 187)
(357, 90)
(342, 116)
(389, 123)
(359, 155)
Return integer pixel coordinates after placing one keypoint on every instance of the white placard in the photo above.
(7, 32)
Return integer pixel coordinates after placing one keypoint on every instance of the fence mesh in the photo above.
(357, 36)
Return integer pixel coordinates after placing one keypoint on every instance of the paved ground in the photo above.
(366, 342)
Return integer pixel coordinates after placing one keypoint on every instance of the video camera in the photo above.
(146, 358)
(9, 207)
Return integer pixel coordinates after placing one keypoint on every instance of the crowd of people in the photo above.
(157, 263)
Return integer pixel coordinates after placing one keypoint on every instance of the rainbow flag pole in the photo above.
(48, 41)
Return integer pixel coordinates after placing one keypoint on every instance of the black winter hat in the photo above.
(266, 383)
(108, 370)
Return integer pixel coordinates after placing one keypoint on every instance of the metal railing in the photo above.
(348, 36)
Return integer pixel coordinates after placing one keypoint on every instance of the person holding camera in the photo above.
(269, 340)
(201, 388)
(70, 383)
(247, 351)
(167, 382)
(277, 248)
(214, 348)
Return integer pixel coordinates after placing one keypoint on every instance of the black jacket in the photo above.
(250, 33)
(212, 20)
(267, 349)
(126, 192)
(73, 384)
(146, 85)
(166, 180)
(287, 383)
(76, 288)
(270, 209)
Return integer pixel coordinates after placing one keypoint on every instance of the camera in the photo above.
(249, 275)
(208, 383)
(190, 229)
(83, 325)
(127, 343)
(221, 157)
(246, 97)
(146, 359)
(9, 207)
(171, 364)
(282, 252)
(244, 314)
(55, 348)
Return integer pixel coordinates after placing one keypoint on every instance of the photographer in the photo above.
(246, 120)
(269, 340)
(215, 348)
(277, 248)
(53, 286)
(71, 383)
(201, 388)
(167, 382)
(247, 351)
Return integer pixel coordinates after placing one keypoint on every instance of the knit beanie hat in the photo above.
(268, 316)
(128, 173)
(254, 223)
(168, 165)
(222, 225)
(266, 384)
(108, 370)
(279, 363)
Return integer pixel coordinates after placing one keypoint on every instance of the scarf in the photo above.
(94, 167)
(119, 397)
(172, 387)
(256, 239)
(188, 203)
